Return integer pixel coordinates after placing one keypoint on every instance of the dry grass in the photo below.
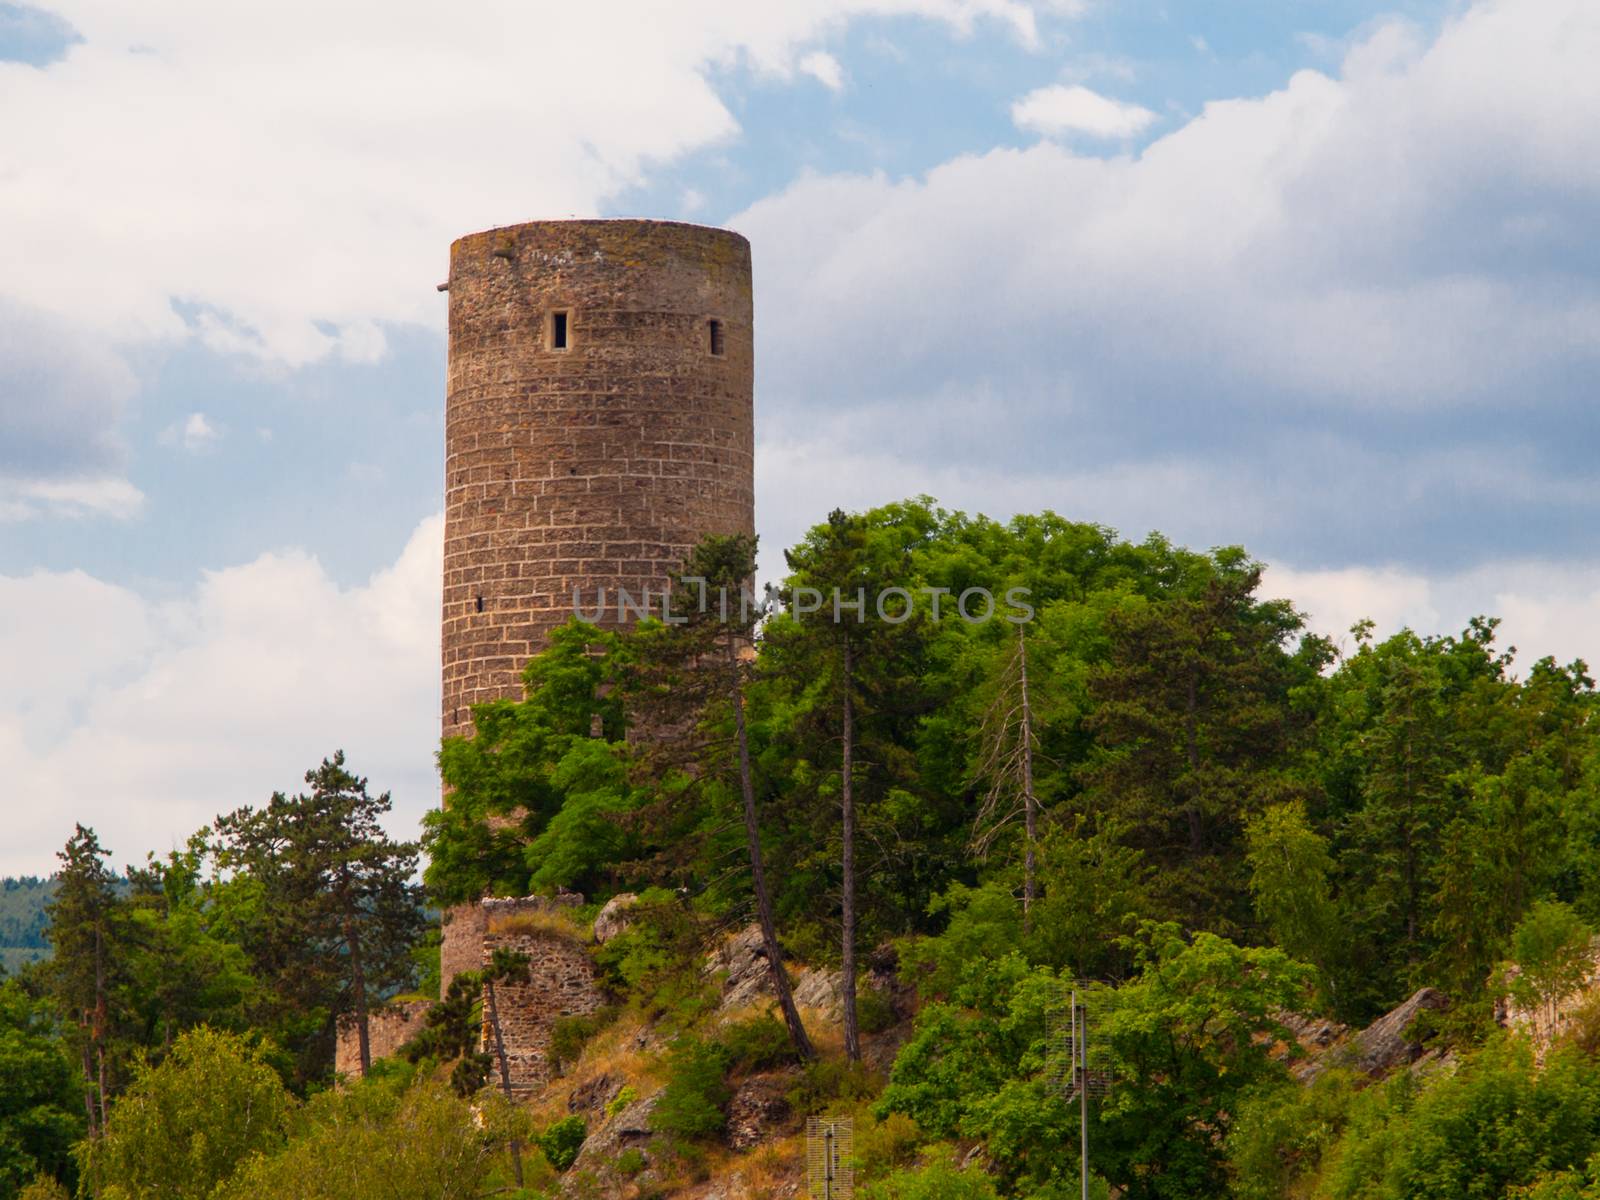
(538, 923)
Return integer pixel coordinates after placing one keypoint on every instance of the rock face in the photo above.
(1378, 1049)
(1382, 1046)
(758, 1109)
(613, 918)
(595, 1165)
(747, 981)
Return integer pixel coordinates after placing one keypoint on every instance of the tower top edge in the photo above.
(602, 226)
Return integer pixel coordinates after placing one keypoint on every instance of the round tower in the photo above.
(599, 422)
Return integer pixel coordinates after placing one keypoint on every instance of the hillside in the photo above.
(23, 921)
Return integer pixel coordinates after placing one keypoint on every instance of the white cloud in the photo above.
(195, 434)
(1546, 608)
(1074, 109)
(104, 496)
(824, 68)
(1355, 310)
(145, 719)
(276, 179)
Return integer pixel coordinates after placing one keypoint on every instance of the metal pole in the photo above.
(827, 1162)
(1083, 1100)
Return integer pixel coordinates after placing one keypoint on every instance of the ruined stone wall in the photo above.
(560, 983)
(596, 466)
(388, 1028)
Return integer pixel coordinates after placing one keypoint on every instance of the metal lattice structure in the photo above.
(1078, 1061)
(1078, 1057)
(830, 1175)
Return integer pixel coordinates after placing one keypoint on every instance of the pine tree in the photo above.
(88, 925)
(335, 911)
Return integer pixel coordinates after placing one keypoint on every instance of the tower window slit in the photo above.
(558, 331)
(716, 337)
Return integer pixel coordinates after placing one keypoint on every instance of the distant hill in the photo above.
(23, 921)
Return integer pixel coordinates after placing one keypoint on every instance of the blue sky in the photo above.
(1319, 278)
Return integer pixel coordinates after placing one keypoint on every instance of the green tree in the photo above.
(334, 912)
(683, 677)
(41, 1107)
(184, 1127)
(1290, 871)
(506, 824)
(87, 974)
(1195, 729)
(390, 1140)
(1191, 1036)
(1554, 951)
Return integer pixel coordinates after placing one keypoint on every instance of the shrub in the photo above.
(691, 1105)
(185, 1126)
(940, 1179)
(621, 1100)
(562, 1140)
(45, 1187)
(569, 1035)
(378, 1141)
(827, 1080)
(874, 1012)
(757, 1044)
(631, 1161)
(657, 962)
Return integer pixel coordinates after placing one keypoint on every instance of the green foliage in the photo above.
(525, 761)
(45, 1187)
(658, 961)
(939, 1179)
(1191, 1036)
(569, 1035)
(324, 905)
(1290, 871)
(186, 1126)
(827, 1083)
(41, 1107)
(1496, 1124)
(756, 1044)
(562, 1140)
(1553, 951)
(381, 1140)
(693, 1103)
(630, 1162)
(1281, 1132)
(624, 1097)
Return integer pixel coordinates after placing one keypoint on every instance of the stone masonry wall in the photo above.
(598, 466)
(388, 1029)
(561, 983)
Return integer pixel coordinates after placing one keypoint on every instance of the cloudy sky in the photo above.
(1321, 277)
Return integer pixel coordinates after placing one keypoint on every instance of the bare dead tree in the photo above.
(1008, 745)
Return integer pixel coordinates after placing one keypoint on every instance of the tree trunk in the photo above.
(758, 875)
(358, 989)
(847, 972)
(1030, 806)
(505, 1068)
(102, 1015)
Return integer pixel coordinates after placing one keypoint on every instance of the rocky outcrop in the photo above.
(1380, 1048)
(614, 918)
(742, 960)
(593, 1095)
(596, 1164)
(759, 1110)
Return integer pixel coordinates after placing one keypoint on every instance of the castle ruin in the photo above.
(599, 421)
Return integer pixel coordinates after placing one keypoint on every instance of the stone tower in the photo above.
(599, 421)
